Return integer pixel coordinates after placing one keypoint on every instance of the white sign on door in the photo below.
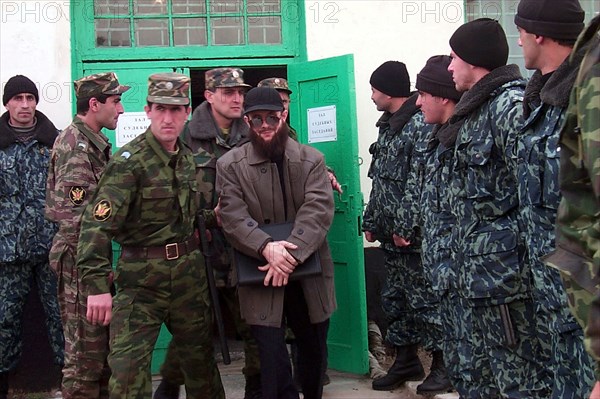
(131, 125)
(322, 124)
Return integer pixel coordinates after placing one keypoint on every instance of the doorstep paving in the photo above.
(342, 386)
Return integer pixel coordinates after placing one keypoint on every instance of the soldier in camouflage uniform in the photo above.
(146, 202)
(215, 128)
(79, 158)
(492, 279)
(392, 217)
(577, 254)
(437, 99)
(26, 138)
(547, 35)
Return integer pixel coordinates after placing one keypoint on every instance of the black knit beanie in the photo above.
(391, 78)
(482, 43)
(19, 84)
(556, 19)
(435, 79)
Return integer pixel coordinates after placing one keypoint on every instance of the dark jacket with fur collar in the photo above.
(483, 189)
(27, 236)
(539, 153)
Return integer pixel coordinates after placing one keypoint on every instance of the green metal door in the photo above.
(136, 76)
(323, 111)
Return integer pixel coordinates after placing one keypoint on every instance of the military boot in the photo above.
(3, 385)
(253, 389)
(406, 367)
(166, 390)
(437, 381)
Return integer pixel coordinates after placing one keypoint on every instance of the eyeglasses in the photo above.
(271, 120)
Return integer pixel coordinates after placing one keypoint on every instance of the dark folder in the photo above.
(247, 266)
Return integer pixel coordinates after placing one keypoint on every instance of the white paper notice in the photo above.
(131, 125)
(322, 125)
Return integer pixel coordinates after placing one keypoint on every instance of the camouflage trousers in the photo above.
(86, 372)
(570, 369)
(410, 305)
(492, 367)
(580, 301)
(171, 370)
(16, 281)
(152, 292)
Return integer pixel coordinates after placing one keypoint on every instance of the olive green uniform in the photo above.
(145, 202)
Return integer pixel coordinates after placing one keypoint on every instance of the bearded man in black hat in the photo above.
(273, 179)
(547, 33)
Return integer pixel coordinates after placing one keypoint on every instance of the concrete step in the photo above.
(412, 387)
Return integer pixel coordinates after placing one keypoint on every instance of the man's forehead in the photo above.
(260, 112)
(23, 95)
(240, 89)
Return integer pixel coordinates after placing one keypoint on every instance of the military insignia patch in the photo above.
(77, 195)
(102, 210)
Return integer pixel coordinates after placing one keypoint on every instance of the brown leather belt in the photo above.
(169, 252)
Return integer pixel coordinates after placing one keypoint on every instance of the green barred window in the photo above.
(172, 23)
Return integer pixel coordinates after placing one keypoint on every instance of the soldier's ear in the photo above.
(209, 96)
(247, 120)
(284, 115)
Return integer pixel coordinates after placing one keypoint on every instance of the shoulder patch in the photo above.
(77, 195)
(126, 154)
(102, 210)
(82, 145)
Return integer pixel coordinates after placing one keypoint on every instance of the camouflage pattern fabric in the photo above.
(578, 225)
(417, 306)
(503, 365)
(224, 77)
(276, 83)
(25, 236)
(98, 84)
(437, 222)
(16, 281)
(79, 158)
(203, 137)
(169, 88)
(394, 208)
(146, 198)
(569, 367)
(486, 246)
(393, 205)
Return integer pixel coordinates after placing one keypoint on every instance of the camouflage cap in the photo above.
(224, 77)
(169, 88)
(98, 84)
(276, 83)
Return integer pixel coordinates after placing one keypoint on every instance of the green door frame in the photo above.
(133, 66)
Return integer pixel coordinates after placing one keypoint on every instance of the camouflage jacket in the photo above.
(578, 220)
(483, 185)
(24, 233)
(538, 153)
(79, 158)
(436, 212)
(144, 198)
(205, 139)
(396, 171)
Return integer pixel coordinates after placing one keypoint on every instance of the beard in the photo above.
(273, 149)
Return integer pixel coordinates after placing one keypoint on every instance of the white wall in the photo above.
(35, 42)
(376, 31)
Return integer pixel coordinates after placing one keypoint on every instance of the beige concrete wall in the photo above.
(375, 32)
(35, 42)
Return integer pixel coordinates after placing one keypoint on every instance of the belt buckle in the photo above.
(169, 248)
